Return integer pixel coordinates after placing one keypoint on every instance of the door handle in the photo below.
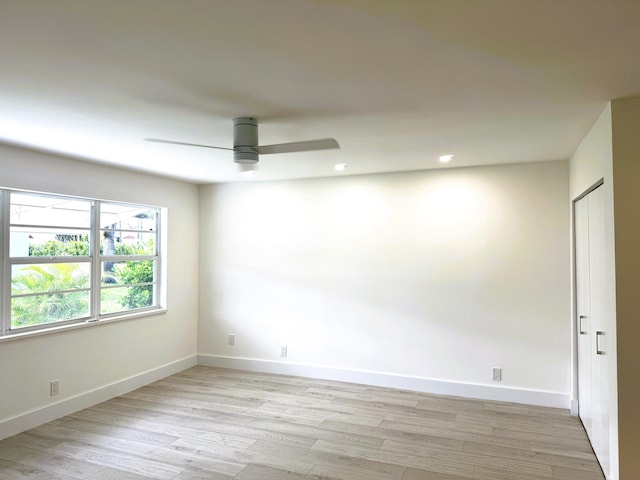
(598, 351)
(580, 330)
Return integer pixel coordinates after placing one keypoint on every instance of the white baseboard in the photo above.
(574, 408)
(485, 392)
(33, 418)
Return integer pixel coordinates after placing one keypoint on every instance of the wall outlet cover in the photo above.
(54, 387)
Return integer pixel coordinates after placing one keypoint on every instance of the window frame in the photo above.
(123, 258)
(94, 259)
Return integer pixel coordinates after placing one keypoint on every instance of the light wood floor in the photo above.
(216, 424)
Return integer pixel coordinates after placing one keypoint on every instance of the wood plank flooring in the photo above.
(216, 424)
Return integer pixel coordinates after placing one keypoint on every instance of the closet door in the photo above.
(600, 329)
(592, 321)
(583, 327)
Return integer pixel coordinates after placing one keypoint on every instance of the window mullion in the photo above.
(157, 270)
(127, 258)
(46, 260)
(5, 281)
(96, 276)
(55, 292)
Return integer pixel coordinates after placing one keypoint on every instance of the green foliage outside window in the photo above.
(138, 296)
(51, 306)
(56, 248)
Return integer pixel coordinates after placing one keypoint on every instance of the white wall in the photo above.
(88, 361)
(437, 275)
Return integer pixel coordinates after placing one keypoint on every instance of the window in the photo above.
(68, 260)
(49, 259)
(128, 257)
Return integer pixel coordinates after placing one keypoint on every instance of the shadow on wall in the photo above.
(421, 274)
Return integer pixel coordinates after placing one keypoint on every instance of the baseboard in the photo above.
(485, 392)
(574, 408)
(33, 418)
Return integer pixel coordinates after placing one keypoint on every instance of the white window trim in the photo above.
(57, 327)
(94, 258)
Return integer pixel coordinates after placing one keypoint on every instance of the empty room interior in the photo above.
(330, 239)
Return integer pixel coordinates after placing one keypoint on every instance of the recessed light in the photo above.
(445, 158)
(340, 166)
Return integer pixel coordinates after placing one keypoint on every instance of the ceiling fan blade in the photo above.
(172, 142)
(306, 146)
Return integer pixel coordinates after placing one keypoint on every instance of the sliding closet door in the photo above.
(593, 322)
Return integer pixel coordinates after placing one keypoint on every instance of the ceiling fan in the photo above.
(245, 143)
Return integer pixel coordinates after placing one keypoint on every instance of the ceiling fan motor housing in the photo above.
(245, 140)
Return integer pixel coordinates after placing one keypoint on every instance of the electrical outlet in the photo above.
(232, 339)
(54, 388)
(497, 374)
(283, 351)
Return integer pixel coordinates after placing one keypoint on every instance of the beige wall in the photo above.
(626, 171)
(436, 274)
(91, 358)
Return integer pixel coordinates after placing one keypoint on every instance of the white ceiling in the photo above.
(396, 82)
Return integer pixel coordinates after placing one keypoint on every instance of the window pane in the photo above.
(48, 242)
(128, 272)
(48, 308)
(136, 277)
(117, 242)
(127, 217)
(33, 209)
(118, 299)
(49, 277)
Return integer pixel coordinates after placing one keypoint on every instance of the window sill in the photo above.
(85, 324)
